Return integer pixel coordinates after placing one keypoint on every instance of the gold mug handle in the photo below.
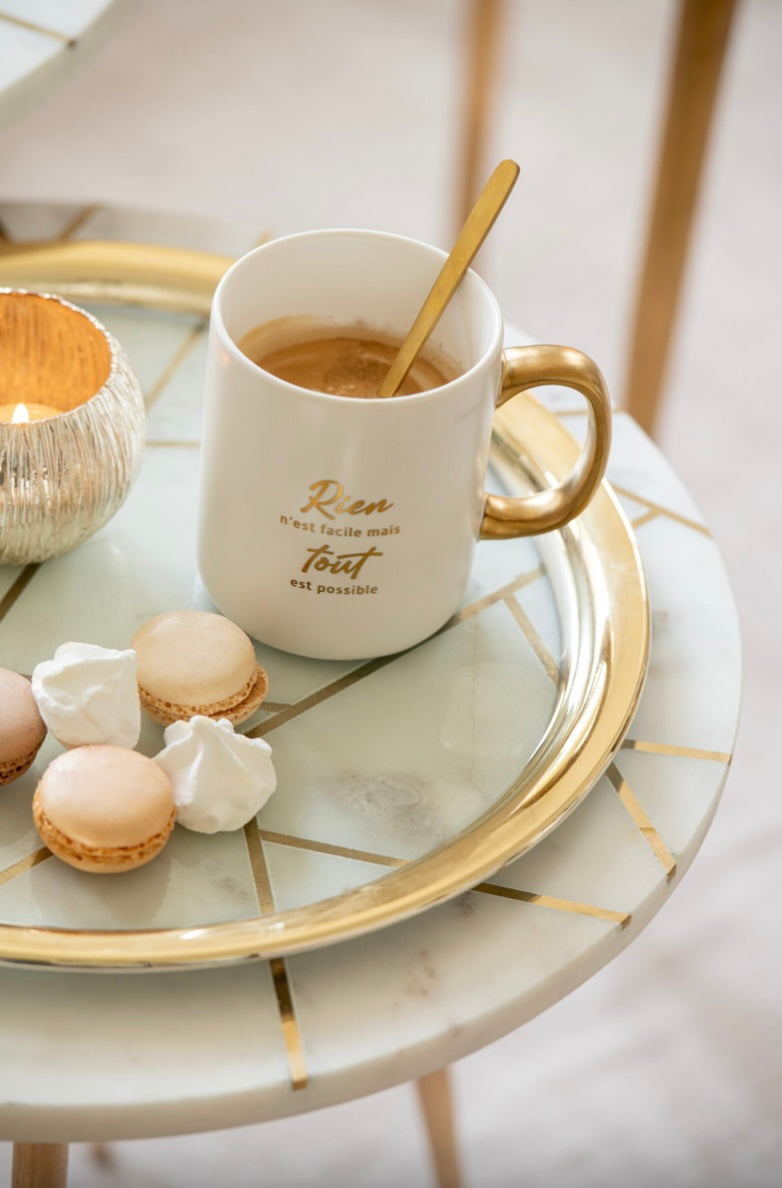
(533, 367)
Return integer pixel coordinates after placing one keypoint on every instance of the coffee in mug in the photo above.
(344, 528)
(339, 360)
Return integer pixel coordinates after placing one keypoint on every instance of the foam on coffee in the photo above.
(339, 360)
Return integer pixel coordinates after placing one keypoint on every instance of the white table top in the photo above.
(123, 1055)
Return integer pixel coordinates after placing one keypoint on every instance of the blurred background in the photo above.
(289, 116)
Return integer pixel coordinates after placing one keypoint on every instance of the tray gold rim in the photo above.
(178, 279)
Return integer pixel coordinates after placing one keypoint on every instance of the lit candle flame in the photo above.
(21, 415)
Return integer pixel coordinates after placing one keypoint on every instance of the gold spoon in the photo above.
(479, 223)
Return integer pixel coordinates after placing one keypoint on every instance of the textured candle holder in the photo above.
(63, 476)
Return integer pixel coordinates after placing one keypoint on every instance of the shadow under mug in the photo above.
(342, 528)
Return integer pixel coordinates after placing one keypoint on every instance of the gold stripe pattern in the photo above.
(33, 27)
(559, 905)
(645, 518)
(320, 695)
(289, 1023)
(17, 589)
(174, 363)
(275, 707)
(83, 215)
(481, 604)
(263, 887)
(372, 666)
(277, 965)
(662, 511)
(533, 897)
(628, 799)
(533, 638)
(77, 222)
(655, 748)
(24, 864)
(256, 837)
(319, 847)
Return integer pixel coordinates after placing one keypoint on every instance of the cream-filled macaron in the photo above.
(104, 808)
(194, 662)
(22, 729)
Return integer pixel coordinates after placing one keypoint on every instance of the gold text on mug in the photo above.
(349, 563)
(328, 493)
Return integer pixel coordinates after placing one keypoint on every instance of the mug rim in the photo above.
(238, 356)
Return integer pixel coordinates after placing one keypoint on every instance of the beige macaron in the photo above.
(22, 729)
(104, 808)
(194, 662)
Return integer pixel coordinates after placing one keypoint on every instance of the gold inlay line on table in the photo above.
(21, 866)
(662, 511)
(533, 897)
(277, 966)
(320, 695)
(555, 903)
(481, 604)
(290, 1026)
(633, 806)
(645, 518)
(82, 216)
(655, 748)
(179, 356)
(79, 220)
(337, 851)
(18, 587)
(533, 638)
(372, 666)
(34, 27)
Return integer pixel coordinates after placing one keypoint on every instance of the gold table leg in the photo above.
(704, 26)
(434, 1091)
(40, 1165)
(485, 19)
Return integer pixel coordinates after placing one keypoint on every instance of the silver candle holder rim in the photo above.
(70, 472)
(114, 349)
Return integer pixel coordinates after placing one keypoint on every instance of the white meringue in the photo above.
(88, 694)
(221, 779)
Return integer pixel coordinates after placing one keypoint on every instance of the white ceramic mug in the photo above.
(343, 528)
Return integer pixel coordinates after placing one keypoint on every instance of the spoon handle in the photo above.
(477, 226)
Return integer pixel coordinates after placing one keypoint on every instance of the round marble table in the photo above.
(101, 1056)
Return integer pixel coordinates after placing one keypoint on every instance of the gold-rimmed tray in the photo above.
(402, 782)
